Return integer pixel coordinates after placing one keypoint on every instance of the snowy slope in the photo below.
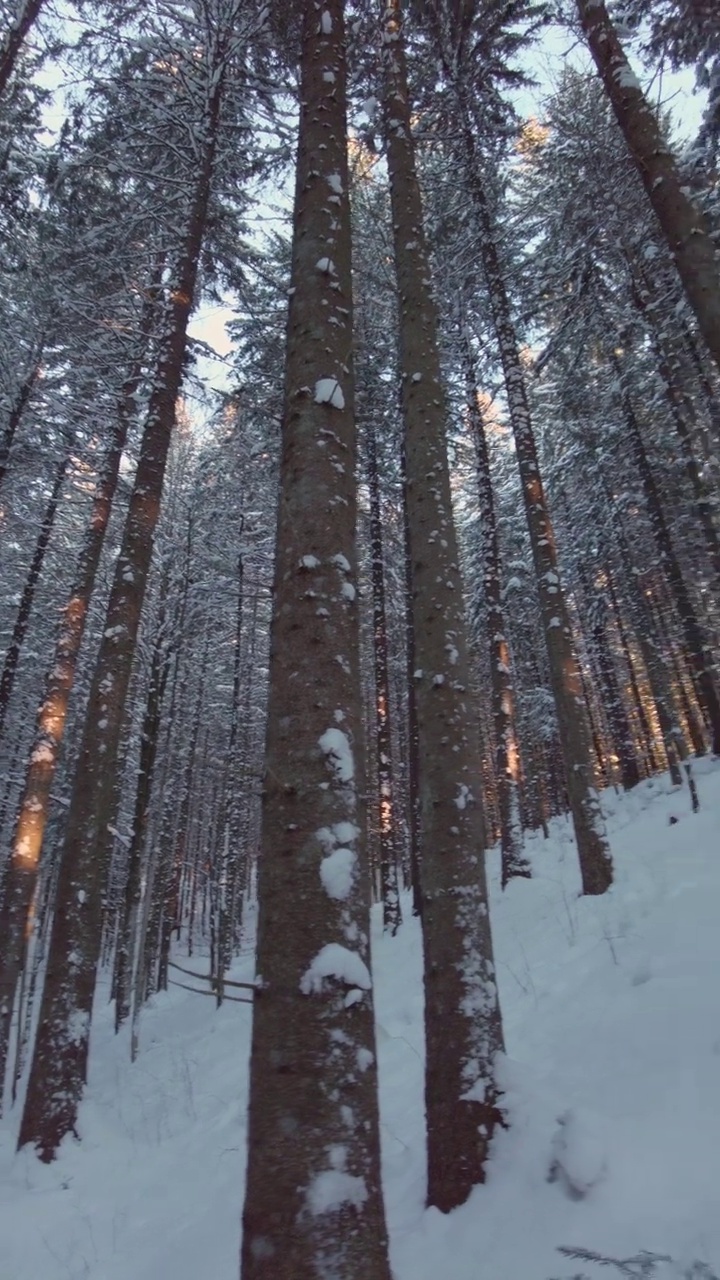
(612, 1022)
(154, 1189)
(612, 1016)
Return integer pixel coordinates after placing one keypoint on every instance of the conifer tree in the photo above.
(507, 754)
(59, 1062)
(313, 1205)
(684, 226)
(463, 1029)
(461, 78)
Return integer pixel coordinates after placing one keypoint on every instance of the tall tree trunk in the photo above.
(176, 838)
(59, 1062)
(565, 676)
(685, 228)
(240, 869)
(22, 620)
(313, 1205)
(692, 630)
(615, 707)
(230, 831)
(34, 806)
(19, 405)
(613, 703)
(650, 641)
(640, 709)
(463, 1029)
(383, 735)
(658, 681)
(507, 754)
(593, 850)
(27, 12)
(132, 896)
(144, 978)
(682, 410)
(413, 755)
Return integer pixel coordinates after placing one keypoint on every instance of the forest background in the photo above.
(423, 560)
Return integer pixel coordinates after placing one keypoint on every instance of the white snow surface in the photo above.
(329, 391)
(336, 746)
(336, 961)
(337, 873)
(612, 1087)
(625, 77)
(333, 1188)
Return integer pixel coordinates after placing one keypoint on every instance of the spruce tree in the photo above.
(313, 1204)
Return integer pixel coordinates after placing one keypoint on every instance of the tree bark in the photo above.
(463, 1029)
(673, 740)
(685, 228)
(232, 868)
(565, 675)
(22, 620)
(507, 754)
(383, 736)
(640, 710)
(34, 806)
(683, 415)
(19, 406)
(413, 759)
(616, 710)
(313, 1204)
(692, 630)
(132, 896)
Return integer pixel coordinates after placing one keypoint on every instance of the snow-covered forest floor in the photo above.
(612, 1023)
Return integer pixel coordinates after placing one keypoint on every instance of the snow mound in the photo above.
(578, 1154)
(336, 961)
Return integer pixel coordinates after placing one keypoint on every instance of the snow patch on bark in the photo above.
(336, 961)
(340, 833)
(626, 78)
(336, 746)
(337, 872)
(329, 391)
(478, 1091)
(461, 800)
(334, 1188)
